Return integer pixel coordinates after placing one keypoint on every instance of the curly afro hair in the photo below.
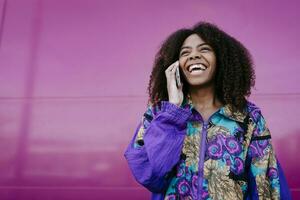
(234, 76)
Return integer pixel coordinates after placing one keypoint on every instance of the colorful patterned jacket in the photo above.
(177, 155)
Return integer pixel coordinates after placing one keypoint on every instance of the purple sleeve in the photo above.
(156, 146)
(266, 177)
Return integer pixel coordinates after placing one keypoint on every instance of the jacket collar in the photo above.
(225, 110)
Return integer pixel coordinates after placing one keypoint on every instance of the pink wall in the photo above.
(73, 81)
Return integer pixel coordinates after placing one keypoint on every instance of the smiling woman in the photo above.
(201, 69)
(203, 139)
(200, 46)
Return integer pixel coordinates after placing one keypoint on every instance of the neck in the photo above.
(203, 97)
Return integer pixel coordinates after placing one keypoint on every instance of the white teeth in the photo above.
(199, 66)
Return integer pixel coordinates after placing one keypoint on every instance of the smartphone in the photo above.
(177, 75)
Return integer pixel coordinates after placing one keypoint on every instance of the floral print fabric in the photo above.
(239, 159)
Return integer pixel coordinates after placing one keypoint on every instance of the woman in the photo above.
(202, 139)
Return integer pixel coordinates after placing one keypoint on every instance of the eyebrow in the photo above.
(188, 47)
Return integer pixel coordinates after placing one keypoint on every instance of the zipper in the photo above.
(201, 159)
(202, 151)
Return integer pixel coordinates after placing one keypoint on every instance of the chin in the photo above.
(199, 82)
(195, 82)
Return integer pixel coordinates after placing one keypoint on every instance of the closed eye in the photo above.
(206, 48)
(202, 49)
(184, 52)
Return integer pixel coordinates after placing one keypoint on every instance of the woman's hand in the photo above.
(175, 94)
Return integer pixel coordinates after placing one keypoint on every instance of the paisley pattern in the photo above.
(185, 185)
(220, 186)
(191, 150)
(225, 158)
(236, 161)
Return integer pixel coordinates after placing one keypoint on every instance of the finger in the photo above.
(172, 67)
(176, 65)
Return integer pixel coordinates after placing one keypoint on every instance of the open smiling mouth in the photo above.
(197, 68)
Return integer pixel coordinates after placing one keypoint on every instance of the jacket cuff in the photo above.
(178, 114)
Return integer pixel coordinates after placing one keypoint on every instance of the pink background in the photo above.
(73, 79)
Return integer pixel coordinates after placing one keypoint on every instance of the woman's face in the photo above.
(197, 61)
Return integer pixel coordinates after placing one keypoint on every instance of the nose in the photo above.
(194, 55)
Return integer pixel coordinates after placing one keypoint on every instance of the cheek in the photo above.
(213, 71)
(181, 62)
(213, 59)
